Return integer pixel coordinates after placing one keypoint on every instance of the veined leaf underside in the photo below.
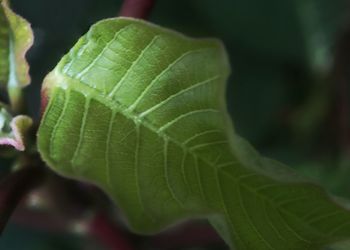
(140, 111)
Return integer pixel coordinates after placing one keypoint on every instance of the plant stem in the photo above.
(109, 234)
(14, 187)
(137, 8)
(16, 100)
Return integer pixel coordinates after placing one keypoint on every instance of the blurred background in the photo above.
(288, 95)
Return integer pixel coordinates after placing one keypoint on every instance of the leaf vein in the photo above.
(192, 87)
(158, 76)
(190, 113)
(107, 152)
(58, 123)
(118, 84)
(166, 174)
(81, 133)
(93, 62)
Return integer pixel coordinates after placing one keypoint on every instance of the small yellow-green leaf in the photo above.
(13, 129)
(16, 37)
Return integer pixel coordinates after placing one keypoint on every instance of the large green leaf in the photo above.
(140, 111)
(16, 38)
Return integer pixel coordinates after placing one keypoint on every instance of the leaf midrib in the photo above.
(67, 82)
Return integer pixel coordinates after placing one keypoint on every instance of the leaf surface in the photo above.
(140, 111)
(16, 37)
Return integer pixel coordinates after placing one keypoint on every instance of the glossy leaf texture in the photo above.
(139, 110)
(16, 37)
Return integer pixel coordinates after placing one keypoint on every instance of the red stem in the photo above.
(14, 187)
(109, 234)
(137, 8)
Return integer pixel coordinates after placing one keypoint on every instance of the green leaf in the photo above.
(16, 37)
(140, 111)
(13, 130)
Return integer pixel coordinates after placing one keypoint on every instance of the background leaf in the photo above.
(139, 110)
(13, 129)
(16, 38)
